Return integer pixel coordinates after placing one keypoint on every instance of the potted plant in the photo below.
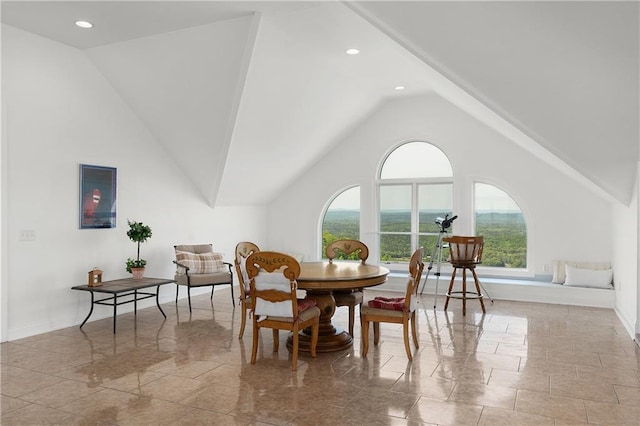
(138, 233)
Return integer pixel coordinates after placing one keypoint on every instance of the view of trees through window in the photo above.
(342, 221)
(406, 225)
(416, 188)
(500, 221)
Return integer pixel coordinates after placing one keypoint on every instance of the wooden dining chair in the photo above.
(272, 280)
(465, 253)
(243, 250)
(350, 298)
(399, 310)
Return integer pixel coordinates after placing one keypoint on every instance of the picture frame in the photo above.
(97, 196)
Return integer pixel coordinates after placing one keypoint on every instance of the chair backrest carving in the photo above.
(465, 252)
(243, 250)
(347, 247)
(416, 266)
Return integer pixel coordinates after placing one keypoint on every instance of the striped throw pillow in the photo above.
(200, 263)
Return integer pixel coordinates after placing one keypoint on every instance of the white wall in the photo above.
(624, 229)
(566, 221)
(61, 112)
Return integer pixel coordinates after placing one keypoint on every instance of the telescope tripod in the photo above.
(436, 253)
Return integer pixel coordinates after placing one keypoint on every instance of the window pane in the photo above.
(395, 248)
(395, 208)
(434, 201)
(342, 218)
(428, 242)
(416, 160)
(501, 222)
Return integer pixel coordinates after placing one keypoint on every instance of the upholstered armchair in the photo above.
(199, 266)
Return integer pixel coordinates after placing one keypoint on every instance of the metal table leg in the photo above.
(115, 311)
(90, 311)
(158, 301)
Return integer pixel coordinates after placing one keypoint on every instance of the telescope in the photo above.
(445, 222)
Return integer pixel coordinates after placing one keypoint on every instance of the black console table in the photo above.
(122, 289)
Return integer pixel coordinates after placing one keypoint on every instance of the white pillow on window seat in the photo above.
(594, 278)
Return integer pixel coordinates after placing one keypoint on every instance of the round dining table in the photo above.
(320, 280)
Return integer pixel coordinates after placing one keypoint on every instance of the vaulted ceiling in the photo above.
(239, 90)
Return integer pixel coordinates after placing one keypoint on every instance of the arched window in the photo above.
(342, 218)
(415, 188)
(499, 219)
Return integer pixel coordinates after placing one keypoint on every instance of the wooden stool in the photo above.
(466, 253)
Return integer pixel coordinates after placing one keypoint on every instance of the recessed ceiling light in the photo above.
(399, 88)
(84, 24)
(352, 51)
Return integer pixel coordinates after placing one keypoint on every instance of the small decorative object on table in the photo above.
(95, 278)
(138, 233)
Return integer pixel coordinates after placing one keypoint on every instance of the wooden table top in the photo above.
(340, 275)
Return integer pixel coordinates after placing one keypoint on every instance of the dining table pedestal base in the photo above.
(330, 338)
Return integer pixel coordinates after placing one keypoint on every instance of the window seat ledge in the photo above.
(524, 290)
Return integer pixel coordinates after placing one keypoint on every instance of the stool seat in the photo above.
(466, 253)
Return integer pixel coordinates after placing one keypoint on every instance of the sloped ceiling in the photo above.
(255, 92)
(183, 85)
(303, 92)
(565, 73)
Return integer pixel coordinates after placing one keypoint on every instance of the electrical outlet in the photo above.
(27, 235)
(546, 268)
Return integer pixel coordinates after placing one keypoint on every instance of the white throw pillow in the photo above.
(559, 268)
(596, 278)
(277, 281)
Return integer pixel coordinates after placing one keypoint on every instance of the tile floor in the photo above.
(519, 364)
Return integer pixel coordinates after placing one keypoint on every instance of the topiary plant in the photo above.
(138, 233)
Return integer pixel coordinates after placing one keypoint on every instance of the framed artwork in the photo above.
(97, 197)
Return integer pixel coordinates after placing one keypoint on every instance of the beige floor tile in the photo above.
(428, 387)
(10, 404)
(574, 358)
(60, 393)
(614, 376)
(34, 414)
(516, 364)
(542, 366)
(502, 362)
(171, 388)
(582, 389)
(500, 417)
(627, 395)
(151, 411)
(532, 381)
(199, 417)
(15, 381)
(445, 412)
(551, 406)
(612, 414)
(492, 396)
(102, 405)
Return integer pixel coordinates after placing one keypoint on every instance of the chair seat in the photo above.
(303, 316)
(368, 310)
(394, 304)
(204, 279)
(344, 299)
